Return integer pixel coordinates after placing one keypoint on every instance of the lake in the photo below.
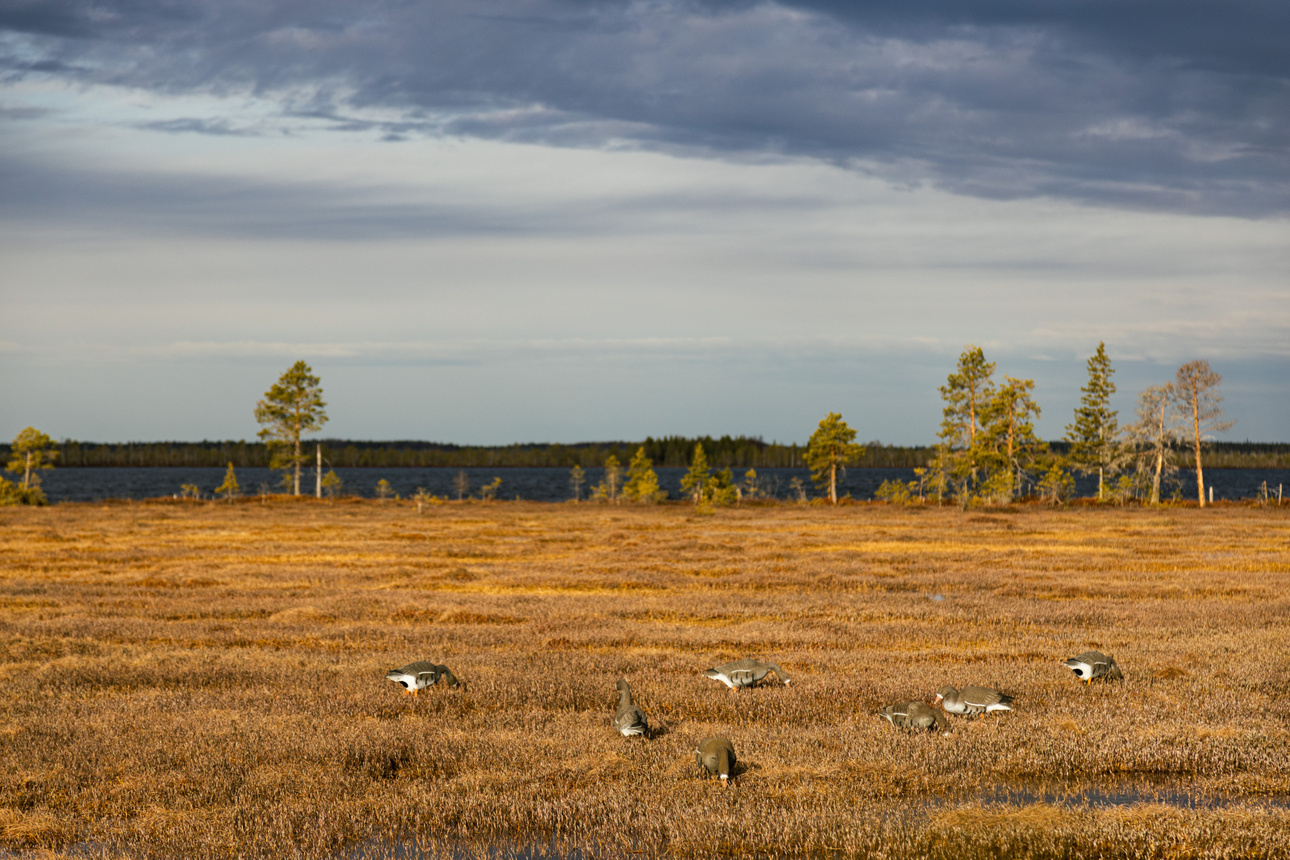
(542, 485)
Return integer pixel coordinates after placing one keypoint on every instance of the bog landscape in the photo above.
(207, 679)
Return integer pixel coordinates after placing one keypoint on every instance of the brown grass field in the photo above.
(206, 680)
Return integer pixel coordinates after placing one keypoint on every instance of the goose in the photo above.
(1094, 664)
(421, 674)
(972, 700)
(915, 715)
(746, 673)
(629, 719)
(716, 755)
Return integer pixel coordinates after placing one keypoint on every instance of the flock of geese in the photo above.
(716, 755)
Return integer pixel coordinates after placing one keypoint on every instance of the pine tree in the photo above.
(229, 488)
(1196, 397)
(642, 481)
(29, 452)
(694, 484)
(966, 394)
(1094, 437)
(290, 409)
(831, 448)
(1007, 446)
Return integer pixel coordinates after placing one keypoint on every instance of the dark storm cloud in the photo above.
(1179, 105)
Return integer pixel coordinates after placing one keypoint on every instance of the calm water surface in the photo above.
(543, 485)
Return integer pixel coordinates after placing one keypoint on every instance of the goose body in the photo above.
(421, 674)
(972, 700)
(1094, 664)
(629, 719)
(746, 673)
(915, 715)
(716, 755)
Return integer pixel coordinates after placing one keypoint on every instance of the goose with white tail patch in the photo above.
(629, 719)
(746, 673)
(1094, 664)
(972, 700)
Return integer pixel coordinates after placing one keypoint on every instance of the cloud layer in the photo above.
(1182, 105)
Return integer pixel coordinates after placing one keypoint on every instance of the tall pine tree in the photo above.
(831, 448)
(1094, 437)
(967, 393)
(291, 408)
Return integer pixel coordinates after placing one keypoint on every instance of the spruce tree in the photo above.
(695, 482)
(831, 447)
(290, 409)
(1094, 437)
(642, 481)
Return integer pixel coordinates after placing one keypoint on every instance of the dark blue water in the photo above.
(548, 485)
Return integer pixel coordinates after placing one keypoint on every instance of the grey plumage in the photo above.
(421, 674)
(915, 715)
(629, 720)
(972, 700)
(746, 673)
(716, 755)
(1094, 664)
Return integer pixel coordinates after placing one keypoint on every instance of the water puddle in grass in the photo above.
(1163, 792)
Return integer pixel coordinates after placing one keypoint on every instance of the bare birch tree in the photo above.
(1196, 397)
(1154, 435)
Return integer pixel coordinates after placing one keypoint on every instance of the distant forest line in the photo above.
(734, 452)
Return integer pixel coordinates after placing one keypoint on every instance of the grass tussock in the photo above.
(208, 680)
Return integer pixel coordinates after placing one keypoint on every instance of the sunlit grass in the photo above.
(207, 680)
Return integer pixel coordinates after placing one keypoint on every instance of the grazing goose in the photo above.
(915, 715)
(629, 719)
(1094, 664)
(972, 700)
(421, 674)
(716, 755)
(746, 673)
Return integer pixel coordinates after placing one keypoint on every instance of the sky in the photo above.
(496, 221)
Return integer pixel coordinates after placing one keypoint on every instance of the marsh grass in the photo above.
(207, 680)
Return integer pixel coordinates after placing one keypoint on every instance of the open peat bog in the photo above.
(208, 680)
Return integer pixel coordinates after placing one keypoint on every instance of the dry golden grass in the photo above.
(207, 680)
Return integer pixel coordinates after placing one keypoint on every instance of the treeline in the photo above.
(675, 451)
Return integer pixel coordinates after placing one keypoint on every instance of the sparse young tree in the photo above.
(642, 481)
(613, 477)
(694, 484)
(1153, 436)
(422, 498)
(830, 449)
(230, 487)
(966, 393)
(488, 492)
(461, 484)
(331, 484)
(383, 489)
(1094, 436)
(1196, 397)
(290, 409)
(577, 477)
(31, 451)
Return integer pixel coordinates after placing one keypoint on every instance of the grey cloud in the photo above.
(1180, 106)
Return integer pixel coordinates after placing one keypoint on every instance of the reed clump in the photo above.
(207, 680)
